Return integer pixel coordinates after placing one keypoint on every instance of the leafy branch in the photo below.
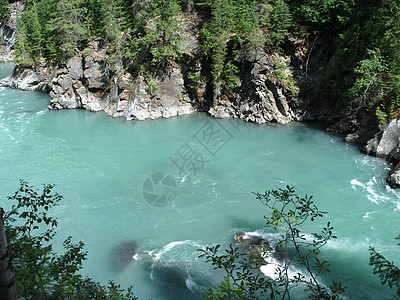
(287, 213)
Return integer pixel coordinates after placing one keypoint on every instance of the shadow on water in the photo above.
(122, 256)
(169, 279)
(241, 222)
(176, 282)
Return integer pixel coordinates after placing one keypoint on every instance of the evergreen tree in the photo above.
(156, 41)
(368, 49)
(279, 22)
(68, 27)
(4, 11)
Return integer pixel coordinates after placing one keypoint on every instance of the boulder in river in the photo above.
(385, 141)
(254, 245)
(385, 144)
(393, 178)
(122, 255)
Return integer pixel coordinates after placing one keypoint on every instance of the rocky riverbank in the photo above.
(90, 82)
(274, 88)
(267, 92)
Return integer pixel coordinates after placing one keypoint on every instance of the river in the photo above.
(106, 170)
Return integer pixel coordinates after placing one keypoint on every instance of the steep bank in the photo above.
(8, 32)
(89, 81)
(276, 87)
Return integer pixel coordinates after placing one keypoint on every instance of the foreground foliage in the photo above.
(388, 272)
(40, 272)
(287, 213)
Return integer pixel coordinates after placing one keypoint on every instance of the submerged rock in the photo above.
(251, 244)
(122, 255)
(255, 246)
(172, 280)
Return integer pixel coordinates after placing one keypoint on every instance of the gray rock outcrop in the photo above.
(8, 32)
(385, 144)
(262, 98)
(8, 40)
(252, 245)
(27, 79)
(86, 82)
(393, 178)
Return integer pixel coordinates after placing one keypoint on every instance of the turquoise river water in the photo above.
(104, 168)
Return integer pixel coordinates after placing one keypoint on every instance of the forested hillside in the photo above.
(363, 69)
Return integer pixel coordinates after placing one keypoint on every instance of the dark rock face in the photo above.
(393, 179)
(6, 48)
(75, 68)
(255, 246)
(361, 136)
(8, 30)
(259, 249)
(94, 66)
(385, 144)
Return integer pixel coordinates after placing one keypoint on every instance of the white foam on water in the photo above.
(355, 182)
(274, 266)
(374, 196)
(370, 187)
(157, 255)
(395, 193)
(39, 113)
(368, 214)
(193, 286)
(281, 181)
(347, 245)
(21, 115)
(184, 178)
(272, 238)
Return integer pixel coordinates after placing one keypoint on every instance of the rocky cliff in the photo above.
(267, 91)
(8, 33)
(277, 88)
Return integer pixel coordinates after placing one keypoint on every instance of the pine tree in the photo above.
(68, 27)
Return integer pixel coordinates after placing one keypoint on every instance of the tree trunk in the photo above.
(7, 278)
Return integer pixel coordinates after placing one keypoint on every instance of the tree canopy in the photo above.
(149, 36)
